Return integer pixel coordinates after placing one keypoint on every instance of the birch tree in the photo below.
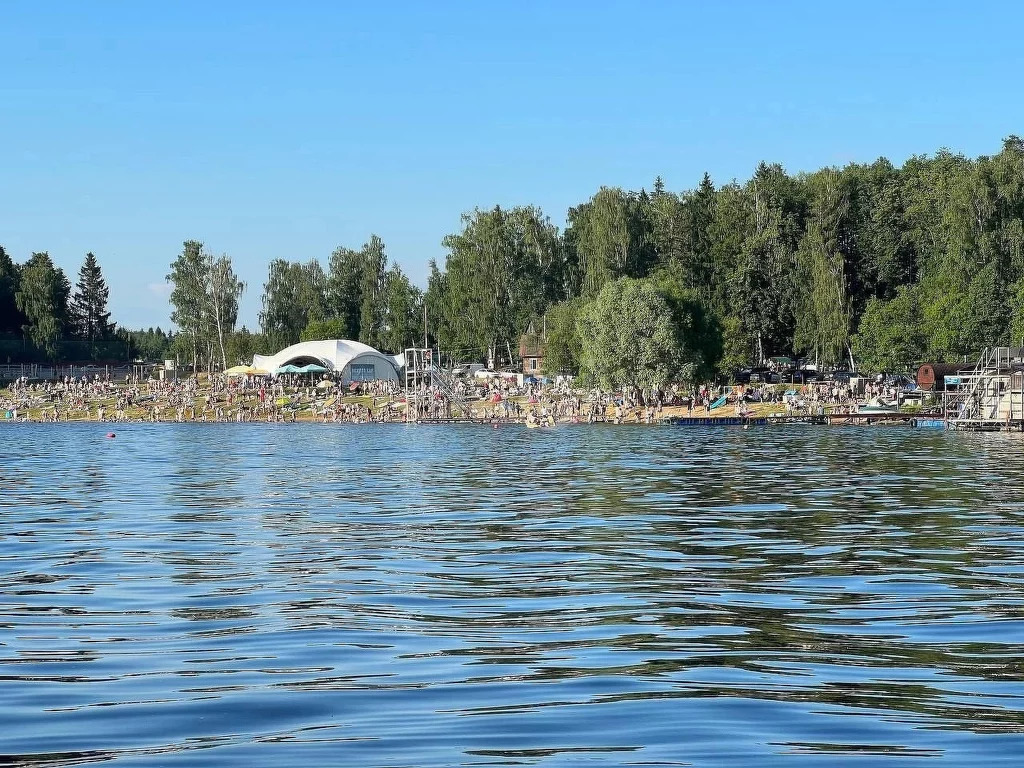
(223, 290)
(188, 295)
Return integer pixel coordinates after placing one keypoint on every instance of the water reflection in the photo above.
(234, 594)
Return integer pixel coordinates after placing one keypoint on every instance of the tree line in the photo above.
(357, 297)
(871, 265)
(40, 309)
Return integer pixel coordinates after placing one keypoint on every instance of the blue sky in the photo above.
(281, 130)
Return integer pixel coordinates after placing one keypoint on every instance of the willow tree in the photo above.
(631, 337)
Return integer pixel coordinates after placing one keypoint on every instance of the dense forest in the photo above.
(888, 265)
(870, 265)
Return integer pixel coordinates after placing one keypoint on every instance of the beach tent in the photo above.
(347, 360)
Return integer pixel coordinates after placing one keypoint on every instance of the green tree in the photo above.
(374, 262)
(344, 295)
(147, 344)
(732, 222)
(823, 311)
(632, 340)
(889, 336)
(223, 291)
(243, 344)
(403, 304)
(42, 298)
(322, 330)
(564, 345)
(188, 299)
(697, 326)
(11, 318)
(294, 296)
(88, 310)
(762, 291)
(494, 280)
(611, 237)
(699, 207)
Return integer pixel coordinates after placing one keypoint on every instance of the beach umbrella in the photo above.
(325, 384)
(312, 368)
(238, 370)
(286, 369)
(258, 372)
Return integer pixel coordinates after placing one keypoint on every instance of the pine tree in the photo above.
(89, 314)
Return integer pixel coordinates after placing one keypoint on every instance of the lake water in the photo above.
(238, 595)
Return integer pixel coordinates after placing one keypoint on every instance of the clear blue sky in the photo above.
(281, 130)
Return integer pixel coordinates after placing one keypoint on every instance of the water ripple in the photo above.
(385, 596)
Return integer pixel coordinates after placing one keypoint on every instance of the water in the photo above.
(237, 595)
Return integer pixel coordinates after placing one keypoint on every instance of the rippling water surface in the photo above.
(245, 595)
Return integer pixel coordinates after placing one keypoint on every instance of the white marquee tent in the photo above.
(353, 360)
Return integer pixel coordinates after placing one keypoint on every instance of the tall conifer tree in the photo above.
(88, 309)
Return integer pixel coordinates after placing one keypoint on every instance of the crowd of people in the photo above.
(219, 398)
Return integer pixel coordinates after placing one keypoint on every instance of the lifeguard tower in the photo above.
(989, 396)
(430, 393)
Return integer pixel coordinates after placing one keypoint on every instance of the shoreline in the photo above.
(110, 405)
(670, 416)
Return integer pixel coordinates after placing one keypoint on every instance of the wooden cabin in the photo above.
(531, 350)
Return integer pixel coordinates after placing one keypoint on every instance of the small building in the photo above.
(532, 346)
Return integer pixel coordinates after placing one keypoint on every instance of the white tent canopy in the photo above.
(353, 360)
